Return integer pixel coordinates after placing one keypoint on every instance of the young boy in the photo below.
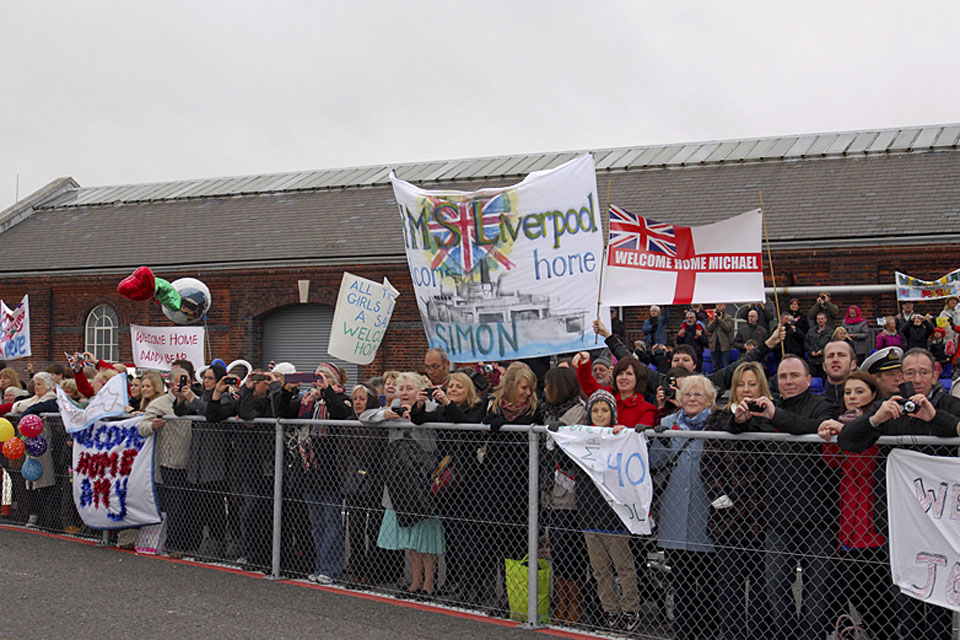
(608, 541)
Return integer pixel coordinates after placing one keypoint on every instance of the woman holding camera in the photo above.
(458, 402)
(731, 473)
(410, 521)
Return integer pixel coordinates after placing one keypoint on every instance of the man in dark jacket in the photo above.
(752, 330)
(817, 339)
(262, 395)
(839, 361)
(693, 333)
(720, 331)
(800, 507)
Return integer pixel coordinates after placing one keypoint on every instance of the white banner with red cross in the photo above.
(650, 262)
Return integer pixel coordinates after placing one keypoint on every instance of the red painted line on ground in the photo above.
(48, 534)
(420, 606)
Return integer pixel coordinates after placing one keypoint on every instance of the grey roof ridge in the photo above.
(22, 209)
(895, 140)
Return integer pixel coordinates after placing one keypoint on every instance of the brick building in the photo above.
(842, 209)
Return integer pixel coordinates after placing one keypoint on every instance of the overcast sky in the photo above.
(130, 91)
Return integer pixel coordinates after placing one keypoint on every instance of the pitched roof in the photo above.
(885, 185)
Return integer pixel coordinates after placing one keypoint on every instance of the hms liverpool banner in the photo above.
(509, 272)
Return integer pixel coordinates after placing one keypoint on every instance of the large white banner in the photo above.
(617, 464)
(158, 348)
(15, 340)
(360, 320)
(923, 498)
(509, 272)
(650, 262)
(113, 476)
(109, 402)
(910, 288)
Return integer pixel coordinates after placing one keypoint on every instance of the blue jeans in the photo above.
(326, 526)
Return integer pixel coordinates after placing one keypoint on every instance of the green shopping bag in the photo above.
(516, 571)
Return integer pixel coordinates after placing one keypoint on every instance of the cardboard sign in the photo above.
(158, 348)
(360, 320)
(15, 341)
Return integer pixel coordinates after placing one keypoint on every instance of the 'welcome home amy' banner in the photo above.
(923, 496)
(617, 464)
(113, 476)
(509, 272)
(910, 288)
(650, 262)
(15, 339)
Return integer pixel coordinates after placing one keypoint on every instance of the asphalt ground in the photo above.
(60, 587)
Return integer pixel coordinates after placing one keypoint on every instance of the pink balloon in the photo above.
(30, 426)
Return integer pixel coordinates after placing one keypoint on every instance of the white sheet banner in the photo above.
(910, 288)
(923, 498)
(109, 402)
(15, 341)
(651, 262)
(507, 273)
(113, 476)
(360, 320)
(617, 464)
(158, 348)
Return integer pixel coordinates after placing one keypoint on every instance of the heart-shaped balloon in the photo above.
(139, 285)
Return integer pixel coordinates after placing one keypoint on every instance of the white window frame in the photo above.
(101, 333)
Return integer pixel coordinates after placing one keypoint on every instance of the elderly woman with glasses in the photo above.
(685, 511)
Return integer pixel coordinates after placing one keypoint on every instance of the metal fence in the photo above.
(759, 535)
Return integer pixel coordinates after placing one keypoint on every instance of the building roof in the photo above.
(834, 188)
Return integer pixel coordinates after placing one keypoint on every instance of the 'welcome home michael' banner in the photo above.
(654, 263)
(510, 272)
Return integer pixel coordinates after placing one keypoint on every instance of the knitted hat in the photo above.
(333, 371)
(602, 395)
(603, 359)
(939, 330)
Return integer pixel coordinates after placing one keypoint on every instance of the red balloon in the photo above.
(13, 448)
(30, 425)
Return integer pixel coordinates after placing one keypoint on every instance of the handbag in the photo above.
(516, 576)
(441, 476)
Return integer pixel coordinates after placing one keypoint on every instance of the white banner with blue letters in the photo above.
(510, 272)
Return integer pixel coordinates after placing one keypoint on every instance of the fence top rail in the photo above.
(509, 428)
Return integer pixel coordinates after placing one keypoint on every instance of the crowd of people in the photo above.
(382, 499)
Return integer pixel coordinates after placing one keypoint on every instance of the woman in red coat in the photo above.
(628, 381)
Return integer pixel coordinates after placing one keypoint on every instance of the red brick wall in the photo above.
(242, 298)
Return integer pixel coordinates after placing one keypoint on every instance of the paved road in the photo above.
(56, 588)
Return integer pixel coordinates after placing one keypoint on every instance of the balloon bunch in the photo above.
(29, 441)
(184, 301)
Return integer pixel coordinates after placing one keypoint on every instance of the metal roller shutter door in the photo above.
(299, 334)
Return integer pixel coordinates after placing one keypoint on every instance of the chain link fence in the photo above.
(758, 536)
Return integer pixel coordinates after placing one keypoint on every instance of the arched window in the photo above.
(102, 328)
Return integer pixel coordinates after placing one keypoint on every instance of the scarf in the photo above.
(513, 411)
(555, 411)
(857, 318)
(695, 423)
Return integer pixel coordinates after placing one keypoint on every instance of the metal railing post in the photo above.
(533, 528)
(277, 500)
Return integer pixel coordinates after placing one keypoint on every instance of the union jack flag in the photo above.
(630, 231)
(464, 256)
